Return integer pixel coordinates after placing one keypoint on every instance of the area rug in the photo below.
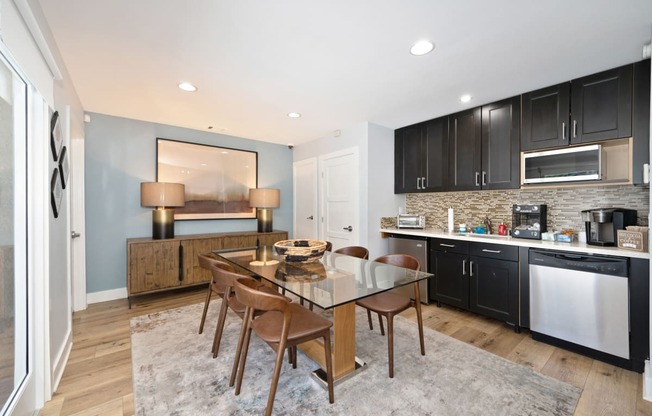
(174, 374)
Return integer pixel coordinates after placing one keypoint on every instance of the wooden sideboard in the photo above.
(160, 265)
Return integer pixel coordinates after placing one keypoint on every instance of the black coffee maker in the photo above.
(602, 224)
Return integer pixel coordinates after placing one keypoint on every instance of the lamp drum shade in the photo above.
(264, 198)
(162, 194)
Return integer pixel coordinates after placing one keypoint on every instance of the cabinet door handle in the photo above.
(418, 187)
(484, 178)
(447, 245)
(477, 179)
(563, 131)
(574, 128)
(180, 263)
(464, 267)
(471, 268)
(486, 250)
(423, 182)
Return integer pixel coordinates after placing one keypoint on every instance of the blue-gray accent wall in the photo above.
(120, 153)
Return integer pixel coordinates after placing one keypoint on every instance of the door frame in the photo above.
(315, 194)
(76, 221)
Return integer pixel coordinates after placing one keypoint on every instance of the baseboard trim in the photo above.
(106, 295)
(647, 382)
(60, 365)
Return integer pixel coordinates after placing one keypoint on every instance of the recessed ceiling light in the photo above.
(422, 47)
(465, 98)
(294, 115)
(186, 86)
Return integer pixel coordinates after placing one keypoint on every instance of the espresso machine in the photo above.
(529, 221)
(602, 224)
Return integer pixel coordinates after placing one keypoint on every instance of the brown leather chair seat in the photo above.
(385, 302)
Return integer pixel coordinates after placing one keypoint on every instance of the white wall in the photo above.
(376, 184)
(381, 186)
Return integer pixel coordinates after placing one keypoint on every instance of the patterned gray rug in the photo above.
(174, 374)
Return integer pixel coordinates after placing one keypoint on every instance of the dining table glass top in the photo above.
(334, 280)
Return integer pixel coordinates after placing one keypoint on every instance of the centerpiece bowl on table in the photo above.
(300, 250)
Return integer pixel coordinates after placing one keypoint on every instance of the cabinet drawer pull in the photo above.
(477, 179)
(486, 250)
(464, 267)
(447, 245)
(471, 268)
(563, 131)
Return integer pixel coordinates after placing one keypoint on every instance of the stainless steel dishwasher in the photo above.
(416, 247)
(581, 299)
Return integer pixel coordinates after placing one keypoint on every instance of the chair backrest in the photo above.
(355, 251)
(400, 260)
(247, 293)
(209, 263)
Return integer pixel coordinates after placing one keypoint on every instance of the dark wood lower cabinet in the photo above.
(482, 278)
(450, 284)
(494, 288)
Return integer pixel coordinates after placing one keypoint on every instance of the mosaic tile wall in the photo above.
(563, 204)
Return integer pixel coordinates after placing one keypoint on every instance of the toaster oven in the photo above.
(410, 221)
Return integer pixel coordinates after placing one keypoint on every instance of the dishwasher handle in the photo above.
(606, 265)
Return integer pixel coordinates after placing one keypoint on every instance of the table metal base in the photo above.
(320, 375)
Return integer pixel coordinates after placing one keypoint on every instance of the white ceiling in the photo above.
(336, 62)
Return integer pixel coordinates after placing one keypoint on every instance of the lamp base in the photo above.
(264, 216)
(162, 224)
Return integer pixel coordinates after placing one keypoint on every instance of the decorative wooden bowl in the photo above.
(300, 251)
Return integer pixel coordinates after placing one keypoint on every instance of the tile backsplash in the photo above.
(564, 205)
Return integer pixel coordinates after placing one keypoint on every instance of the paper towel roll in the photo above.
(451, 220)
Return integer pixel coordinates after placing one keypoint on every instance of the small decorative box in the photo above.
(633, 238)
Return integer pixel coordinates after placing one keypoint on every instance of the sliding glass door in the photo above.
(13, 234)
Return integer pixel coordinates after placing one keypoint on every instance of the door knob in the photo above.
(349, 228)
(74, 234)
(310, 217)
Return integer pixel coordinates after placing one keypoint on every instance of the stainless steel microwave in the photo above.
(571, 164)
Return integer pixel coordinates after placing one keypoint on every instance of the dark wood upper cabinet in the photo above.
(484, 147)
(465, 145)
(421, 157)
(546, 117)
(500, 144)
(407, 159)
(641, 120)
(593, 108)
(601, 106)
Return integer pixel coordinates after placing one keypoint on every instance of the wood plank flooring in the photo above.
(98, 377)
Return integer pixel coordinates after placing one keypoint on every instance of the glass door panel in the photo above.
(13, 234)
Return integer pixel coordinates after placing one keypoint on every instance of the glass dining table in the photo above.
(335, 282)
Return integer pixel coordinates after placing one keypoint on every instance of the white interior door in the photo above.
(306, 215)
(340, 198)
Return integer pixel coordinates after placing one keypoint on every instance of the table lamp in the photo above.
(264, 200)
(162, 196)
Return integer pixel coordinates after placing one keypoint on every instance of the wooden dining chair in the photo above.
(208, 263)
(222, 278)
(389, 304)
(355, 251)
(282, 325)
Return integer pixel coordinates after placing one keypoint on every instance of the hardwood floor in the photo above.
(98, 377)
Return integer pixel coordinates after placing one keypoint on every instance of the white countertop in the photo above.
(576, 247)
